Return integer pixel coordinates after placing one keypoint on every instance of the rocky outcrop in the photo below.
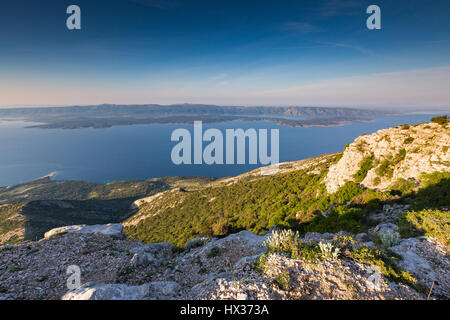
(38, 270)
(286, 278)
(427, 261)
(149, 291)
(383, 228)
(136, 204)
(402, 152)
(93, 291)
(227, 268)
(389, 213)
(114, 230)
(155, 253)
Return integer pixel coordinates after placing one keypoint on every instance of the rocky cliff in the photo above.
(380, 159)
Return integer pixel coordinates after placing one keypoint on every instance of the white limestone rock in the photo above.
(425, 153)
(94, 291)
(114, 230)
(100, 291)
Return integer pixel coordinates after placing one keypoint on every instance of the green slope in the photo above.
(293, 199)
(30, 209)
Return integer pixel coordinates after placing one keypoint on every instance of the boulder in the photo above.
(100, 291)
(362, 237)
(427, 263)
(383, 228)
(143, 260)
(196, 242)
(159, 248)
(154, 253)
(246, 238)
(94, 291)
(412, 262)
(164, 289)
(114, 230)
(246, 261)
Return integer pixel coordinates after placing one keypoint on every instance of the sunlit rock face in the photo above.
(404, 152)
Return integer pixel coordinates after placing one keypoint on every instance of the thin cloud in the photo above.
(224, 83)
(160, 4)
(219, 76)
(331, 8)
(345, 45)
(300, 27)
(421, 87)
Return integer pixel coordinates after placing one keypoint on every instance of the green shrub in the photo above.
(432, 223)
(400, 156)
(404, 186)
(376, 181)
(288, 242)
(364, 166)
(434, 191)
(344, 241)
(221, 227)
(389, 239)
(328, 251)
(442, 120)
(307, 252)
(386, 264)
(408, 140)
(283, 280)
(340, 218)
(384, 169)
(195, 243)
(282, 241)
(214, 252)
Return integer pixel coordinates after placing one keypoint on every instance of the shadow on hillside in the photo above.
(428, 261)
(359, 217)
(44, 215)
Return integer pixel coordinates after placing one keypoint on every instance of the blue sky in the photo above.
(311, 52)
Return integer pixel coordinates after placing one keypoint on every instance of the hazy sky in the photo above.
(303, 52)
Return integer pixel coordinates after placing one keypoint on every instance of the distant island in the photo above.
(109, 115)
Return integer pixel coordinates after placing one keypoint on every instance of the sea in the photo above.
(144, 151)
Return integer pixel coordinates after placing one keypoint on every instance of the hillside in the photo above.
(304, 192)
(48, 189)
(380, 159)
(30, 209)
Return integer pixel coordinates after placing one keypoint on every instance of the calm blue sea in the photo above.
(143, 151)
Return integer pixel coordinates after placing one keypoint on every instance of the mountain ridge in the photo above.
(107, 115)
